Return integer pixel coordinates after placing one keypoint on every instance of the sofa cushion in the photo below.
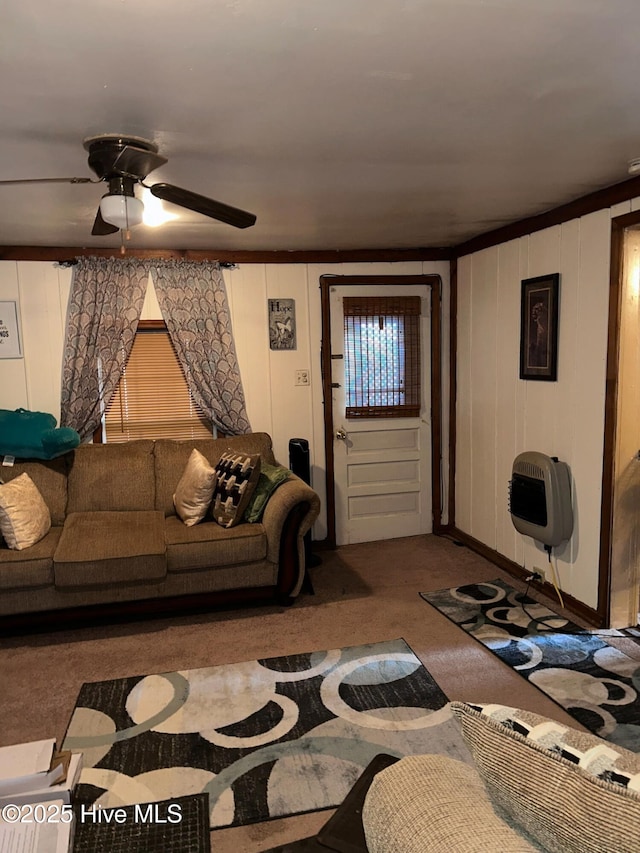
(434, 803)
(170, 459)
(112, 477)
(32, 567)
(236, 480)
(271, 476)
(571, 791)
(193, 494)
(250, 443)
(99, 548)
(24, 516)
(51, 479)
(207, 545)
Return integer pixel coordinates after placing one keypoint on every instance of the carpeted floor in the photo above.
(264, 739)
(365, 593)
(584, 672)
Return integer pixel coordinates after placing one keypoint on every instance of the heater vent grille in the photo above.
(529, 469)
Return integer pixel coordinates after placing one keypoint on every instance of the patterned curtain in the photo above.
(107, 295)
(193, 301)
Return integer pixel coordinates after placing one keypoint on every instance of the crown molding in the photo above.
(340, 256)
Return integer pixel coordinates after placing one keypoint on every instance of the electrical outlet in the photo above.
(302, 377)
(538, 571)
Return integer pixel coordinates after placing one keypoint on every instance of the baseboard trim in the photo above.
(577, 608)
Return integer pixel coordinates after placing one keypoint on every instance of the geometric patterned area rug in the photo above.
(595, 682)
(265, 738)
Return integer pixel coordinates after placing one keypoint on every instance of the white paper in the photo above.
(25, 759)
(35, 837)
(61, 791)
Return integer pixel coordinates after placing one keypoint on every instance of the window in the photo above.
(382, 356)
(152, 399)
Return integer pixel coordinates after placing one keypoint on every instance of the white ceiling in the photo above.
(343, 124)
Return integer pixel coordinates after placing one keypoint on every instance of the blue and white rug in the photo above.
(589, 676)
(265, 738)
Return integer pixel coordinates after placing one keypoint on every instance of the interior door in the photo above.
(382, 466)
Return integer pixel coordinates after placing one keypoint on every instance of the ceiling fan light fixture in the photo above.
(123, 211)
(154, 211)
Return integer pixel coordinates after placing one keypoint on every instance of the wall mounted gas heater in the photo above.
(540, 498)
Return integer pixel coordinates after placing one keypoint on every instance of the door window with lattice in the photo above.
(382, 356)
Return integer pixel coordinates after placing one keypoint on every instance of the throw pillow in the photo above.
(194, 492)
(24, 516)
(271, 476)
(570, 791)
(236, 479)
(434, 803)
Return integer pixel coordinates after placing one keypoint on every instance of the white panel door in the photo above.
(382, 466)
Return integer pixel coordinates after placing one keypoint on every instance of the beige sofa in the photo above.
(116, 539)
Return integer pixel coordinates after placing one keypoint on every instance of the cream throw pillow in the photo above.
(195, 489)
(24, 516)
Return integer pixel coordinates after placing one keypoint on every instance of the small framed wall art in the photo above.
(282, 324)
(539, 328)
(10, 345)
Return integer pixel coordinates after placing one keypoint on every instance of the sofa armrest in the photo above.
(296, 502)
(434, 802)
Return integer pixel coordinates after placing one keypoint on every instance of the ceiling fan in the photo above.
(124, 161)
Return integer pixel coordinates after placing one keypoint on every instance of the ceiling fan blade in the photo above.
(102, 228)
(49, 181)
(201, 204)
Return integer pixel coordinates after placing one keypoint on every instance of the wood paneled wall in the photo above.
(499, 415)
(274, 403)
(41, 292)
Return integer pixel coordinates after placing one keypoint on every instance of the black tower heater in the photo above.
(299, 463)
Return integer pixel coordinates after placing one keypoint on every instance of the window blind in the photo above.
(382, 356)
(153, 399)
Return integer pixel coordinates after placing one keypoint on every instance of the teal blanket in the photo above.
(33, 435)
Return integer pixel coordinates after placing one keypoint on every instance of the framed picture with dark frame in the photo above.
(539, 328)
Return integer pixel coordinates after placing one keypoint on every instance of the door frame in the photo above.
(434, 283)
(619, 224)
